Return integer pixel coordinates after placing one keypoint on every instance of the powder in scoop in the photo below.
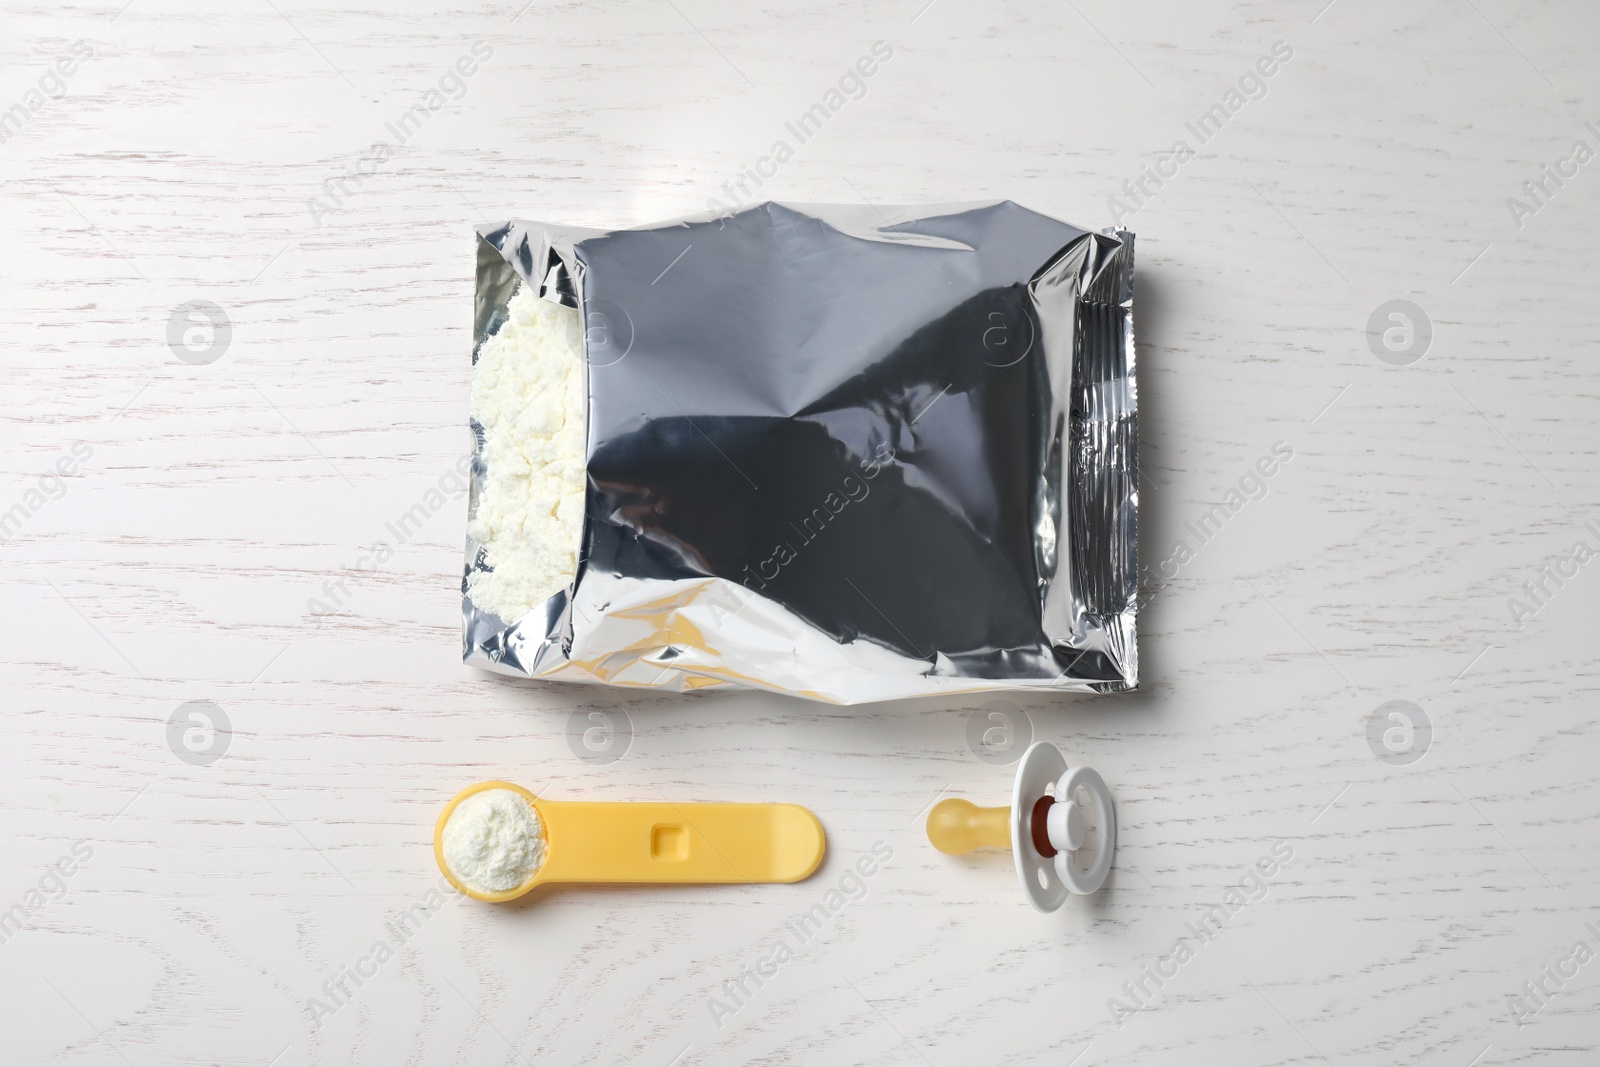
(528, 395)
(494, 841)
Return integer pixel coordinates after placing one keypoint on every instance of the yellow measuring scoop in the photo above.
(589, 841)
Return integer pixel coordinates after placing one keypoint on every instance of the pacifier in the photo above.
(1045, 827)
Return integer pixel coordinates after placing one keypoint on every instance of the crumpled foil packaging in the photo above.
(844, 453)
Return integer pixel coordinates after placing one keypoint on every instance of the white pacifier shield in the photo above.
(1041, 767)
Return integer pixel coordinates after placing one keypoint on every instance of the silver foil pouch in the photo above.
(845, 453)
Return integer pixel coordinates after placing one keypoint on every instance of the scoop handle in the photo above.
(592, 841)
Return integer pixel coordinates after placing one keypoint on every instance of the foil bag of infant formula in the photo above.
(845, 453)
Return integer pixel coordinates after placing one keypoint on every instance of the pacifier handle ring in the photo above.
(1088, 779)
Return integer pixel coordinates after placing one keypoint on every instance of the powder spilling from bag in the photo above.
(494, 841)
(528, 395)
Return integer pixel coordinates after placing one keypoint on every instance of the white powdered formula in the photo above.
(528, 395)
(494, 841)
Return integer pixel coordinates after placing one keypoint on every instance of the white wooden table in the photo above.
(220, 878)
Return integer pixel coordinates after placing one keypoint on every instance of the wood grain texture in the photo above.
(180, 560)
